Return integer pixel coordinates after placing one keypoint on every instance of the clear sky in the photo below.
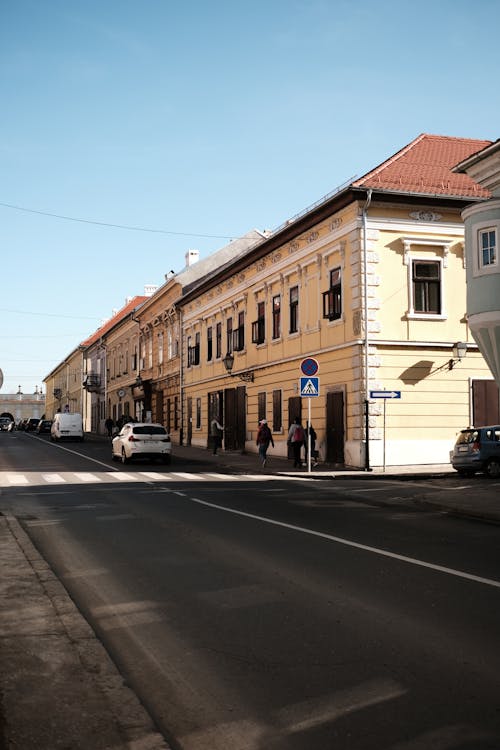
(195, 121)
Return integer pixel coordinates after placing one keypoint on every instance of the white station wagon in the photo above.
(141, 440)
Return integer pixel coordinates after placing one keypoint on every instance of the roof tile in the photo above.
(424, 167)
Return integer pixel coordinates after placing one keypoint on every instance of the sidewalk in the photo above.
(58, 686)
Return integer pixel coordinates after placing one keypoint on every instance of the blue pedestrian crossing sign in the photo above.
(309, 387)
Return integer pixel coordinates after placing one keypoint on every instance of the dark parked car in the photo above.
(44, 425)
(31, 424)
(5, 423)
(477, 449)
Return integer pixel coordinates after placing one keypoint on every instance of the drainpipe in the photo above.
(181, 376)
(366, 341)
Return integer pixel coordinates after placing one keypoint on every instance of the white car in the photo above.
(141, 440)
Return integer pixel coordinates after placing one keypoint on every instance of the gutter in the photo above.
(366, 337)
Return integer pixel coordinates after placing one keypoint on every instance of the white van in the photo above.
(67, 427)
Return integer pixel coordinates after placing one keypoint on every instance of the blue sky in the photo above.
(199, 121)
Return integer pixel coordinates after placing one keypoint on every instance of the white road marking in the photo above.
(87, 476)
(17, 479)
(350, 543)
(54, 478)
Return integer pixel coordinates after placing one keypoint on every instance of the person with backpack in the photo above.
(296, 438)
(264, 437)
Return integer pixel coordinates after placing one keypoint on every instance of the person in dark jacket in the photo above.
(264, 437)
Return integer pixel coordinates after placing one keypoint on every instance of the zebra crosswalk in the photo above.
(40, 478)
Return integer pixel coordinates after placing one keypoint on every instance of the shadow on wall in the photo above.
(417, 372)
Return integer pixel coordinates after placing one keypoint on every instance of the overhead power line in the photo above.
(115, 226)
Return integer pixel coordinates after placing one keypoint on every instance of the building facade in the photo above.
(370, 282)
(482, 236)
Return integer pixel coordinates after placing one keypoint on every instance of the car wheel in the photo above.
(125, 460)
(493, 468)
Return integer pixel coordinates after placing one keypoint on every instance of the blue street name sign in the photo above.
(385, 394)
(309, 387)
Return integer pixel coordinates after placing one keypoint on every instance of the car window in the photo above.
(467, 436)
(149, 430)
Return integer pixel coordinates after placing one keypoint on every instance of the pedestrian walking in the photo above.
(109, 424)
(296, 438)
(264, 437)
(216, 431)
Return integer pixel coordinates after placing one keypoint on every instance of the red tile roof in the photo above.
(424, 167)
(120, 315)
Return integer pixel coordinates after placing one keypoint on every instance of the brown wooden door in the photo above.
(189, 420)
(159, 407)
(335, 427)
(235, 421)
(485, 403)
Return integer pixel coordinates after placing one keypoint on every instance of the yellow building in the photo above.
(370, 282)
(63, 385)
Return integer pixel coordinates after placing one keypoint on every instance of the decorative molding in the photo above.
(425, 242)
(425, 216)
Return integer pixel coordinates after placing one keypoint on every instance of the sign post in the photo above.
(385, 395)
(309, 388)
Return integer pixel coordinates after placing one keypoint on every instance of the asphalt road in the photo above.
(253, 612)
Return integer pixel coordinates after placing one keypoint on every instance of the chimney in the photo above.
(149, 290)
(192, 257)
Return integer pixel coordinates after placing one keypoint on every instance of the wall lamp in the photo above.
(459, 352)
(138, 381)
(228, 363)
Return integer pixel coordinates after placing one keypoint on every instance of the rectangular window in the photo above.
(209, 344)
(259, 325)
(218, 340)
(294, 309)
(168, 415)
(150, 351)
(277, 316)
(487, 247)
(261, 405)
(229, 335)
(426, 281)
(176, 412)
(239, 334)
(160, 348)
(277, 416)
(198, 413)
(332, 298)
(193, 351)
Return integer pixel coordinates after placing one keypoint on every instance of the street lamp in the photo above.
(228, 362)
(459, 351)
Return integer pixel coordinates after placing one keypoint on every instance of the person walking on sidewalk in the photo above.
(109, 424)
(216, 431)
(296, 437)
(264, 437)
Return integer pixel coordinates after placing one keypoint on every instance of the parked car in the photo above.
(141, 440)
(477, 449)
(31, 424)
(44, 425)
(67, 426)
(5, 423)
(21, 425)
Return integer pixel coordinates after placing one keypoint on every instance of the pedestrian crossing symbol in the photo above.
(309, 387)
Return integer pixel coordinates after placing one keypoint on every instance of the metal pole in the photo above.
(309, 435)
